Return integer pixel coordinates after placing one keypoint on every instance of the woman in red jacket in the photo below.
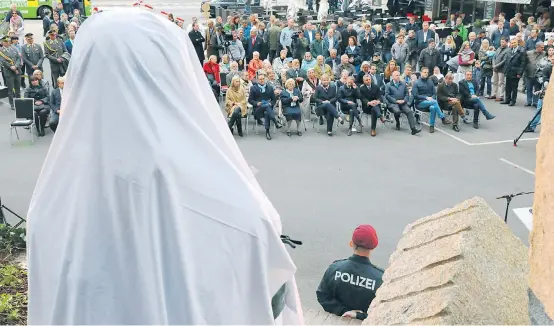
(211, 69)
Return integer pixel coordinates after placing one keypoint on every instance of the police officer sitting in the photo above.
(349, 285)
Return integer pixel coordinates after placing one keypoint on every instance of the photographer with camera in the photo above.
(234, 48)
(388, 41)
(544, 70)
(299, 45)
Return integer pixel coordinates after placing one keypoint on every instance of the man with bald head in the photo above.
(397, 97)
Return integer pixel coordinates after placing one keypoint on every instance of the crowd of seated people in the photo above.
(341, 71)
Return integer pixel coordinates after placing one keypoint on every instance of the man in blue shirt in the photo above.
(424, 94)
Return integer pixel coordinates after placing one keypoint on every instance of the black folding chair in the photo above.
(24, 117)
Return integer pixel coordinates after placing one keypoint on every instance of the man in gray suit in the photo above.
(397, 97)
(33, 56)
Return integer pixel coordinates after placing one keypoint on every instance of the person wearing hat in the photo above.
(15, 42)
(376, 60)
(458, 40)
(32, 54)
(54, 49)
(11, 69)
(349, 285)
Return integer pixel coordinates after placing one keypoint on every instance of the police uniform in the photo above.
(9, 57)
(53, 50)
(32, 56)
(350, 284)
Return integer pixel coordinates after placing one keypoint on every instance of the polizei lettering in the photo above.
(355, 280)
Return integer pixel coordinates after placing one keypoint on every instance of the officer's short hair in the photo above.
(61, 79)
(33, 78)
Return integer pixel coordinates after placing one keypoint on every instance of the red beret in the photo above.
(365, 236)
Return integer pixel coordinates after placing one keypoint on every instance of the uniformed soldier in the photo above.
(349, 285)
(11, 68)
(54, 48)
(32, 55)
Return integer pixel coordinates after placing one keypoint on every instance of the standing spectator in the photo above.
(400, 52)
(274, 37)
(461, 28)
(330, 43)
(388, 40)
(54, 50)
(367, 44)
(55, 105)
(451, 21)
(236, 50)
(513, 70)
(16, 26)
(197, 40)
(10, 60)
(70, 40)
(254, 44)
(346, 34)
(263, 35)
(498, 77)
(413, 51)
(513, 28)
(486, 55)
(286, 37)
(316, 47)
(533, 57)
(448, 51)
(46, 22)
(210, 38)
(498, 34)
(457, 38)
(13, 11)
(33, 56)
(411, 25)
(543, 21)
(423, 36)
(532, 40)
(474, 42)
(466, 59)
(430, 57)
(299, 46)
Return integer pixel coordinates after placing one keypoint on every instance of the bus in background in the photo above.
(35, 8)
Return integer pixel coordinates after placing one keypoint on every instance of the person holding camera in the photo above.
(299, 45)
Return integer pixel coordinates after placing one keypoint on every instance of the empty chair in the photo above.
(24, 117)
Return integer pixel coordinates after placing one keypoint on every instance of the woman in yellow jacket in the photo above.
(235, 104)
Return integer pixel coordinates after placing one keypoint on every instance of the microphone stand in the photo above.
(528, 124)
(509, 200)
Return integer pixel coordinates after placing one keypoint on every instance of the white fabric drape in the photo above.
(145, 211)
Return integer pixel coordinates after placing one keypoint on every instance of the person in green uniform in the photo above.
(54, 48)
(11, 69)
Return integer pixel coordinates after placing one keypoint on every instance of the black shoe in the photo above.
(476, 125)
(267, 135)
(504, 102)
(512, 104)
(232, 130)
(240, 132)
(13, 108)
(415, 131)
(465, 120)
(321, 122)
(289, 133)
(527, 104)
(397, 125)
(278, 125)
(260, 122)
(529, 130)
(41, 133)
(341, 121)
(330, 133)
(456, 128)
(299, 134)
(349, 132)
(490, 116)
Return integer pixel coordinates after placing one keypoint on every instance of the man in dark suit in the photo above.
(398, 97)
(449, 99)
(393, 6)
(423, 36)
(197, 40)
(513, 70)
(262, 99)
(254, 44)
(376, 78)
(498, 34)
(474, 43)
(346, 33)
(468, 94)
(370, 95)
(411, 25)
(326, 101)
(347, 97)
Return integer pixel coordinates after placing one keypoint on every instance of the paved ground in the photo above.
(324, 187)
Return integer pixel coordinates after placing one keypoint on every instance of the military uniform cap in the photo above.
(50, 32)
(29, 35)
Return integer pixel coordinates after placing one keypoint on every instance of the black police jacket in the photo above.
(349, 284)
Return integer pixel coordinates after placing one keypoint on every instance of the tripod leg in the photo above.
(508, 200)
(528, 125)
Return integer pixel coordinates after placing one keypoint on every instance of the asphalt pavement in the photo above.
(323, 187)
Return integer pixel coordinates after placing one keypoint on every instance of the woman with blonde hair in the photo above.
(291, 98)
(466, 59)
(235, 104)
(391, 66)
(448, 51)
(308, 92)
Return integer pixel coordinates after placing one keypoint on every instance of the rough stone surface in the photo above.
(541, 258)
(460, 266)
(321, 317)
